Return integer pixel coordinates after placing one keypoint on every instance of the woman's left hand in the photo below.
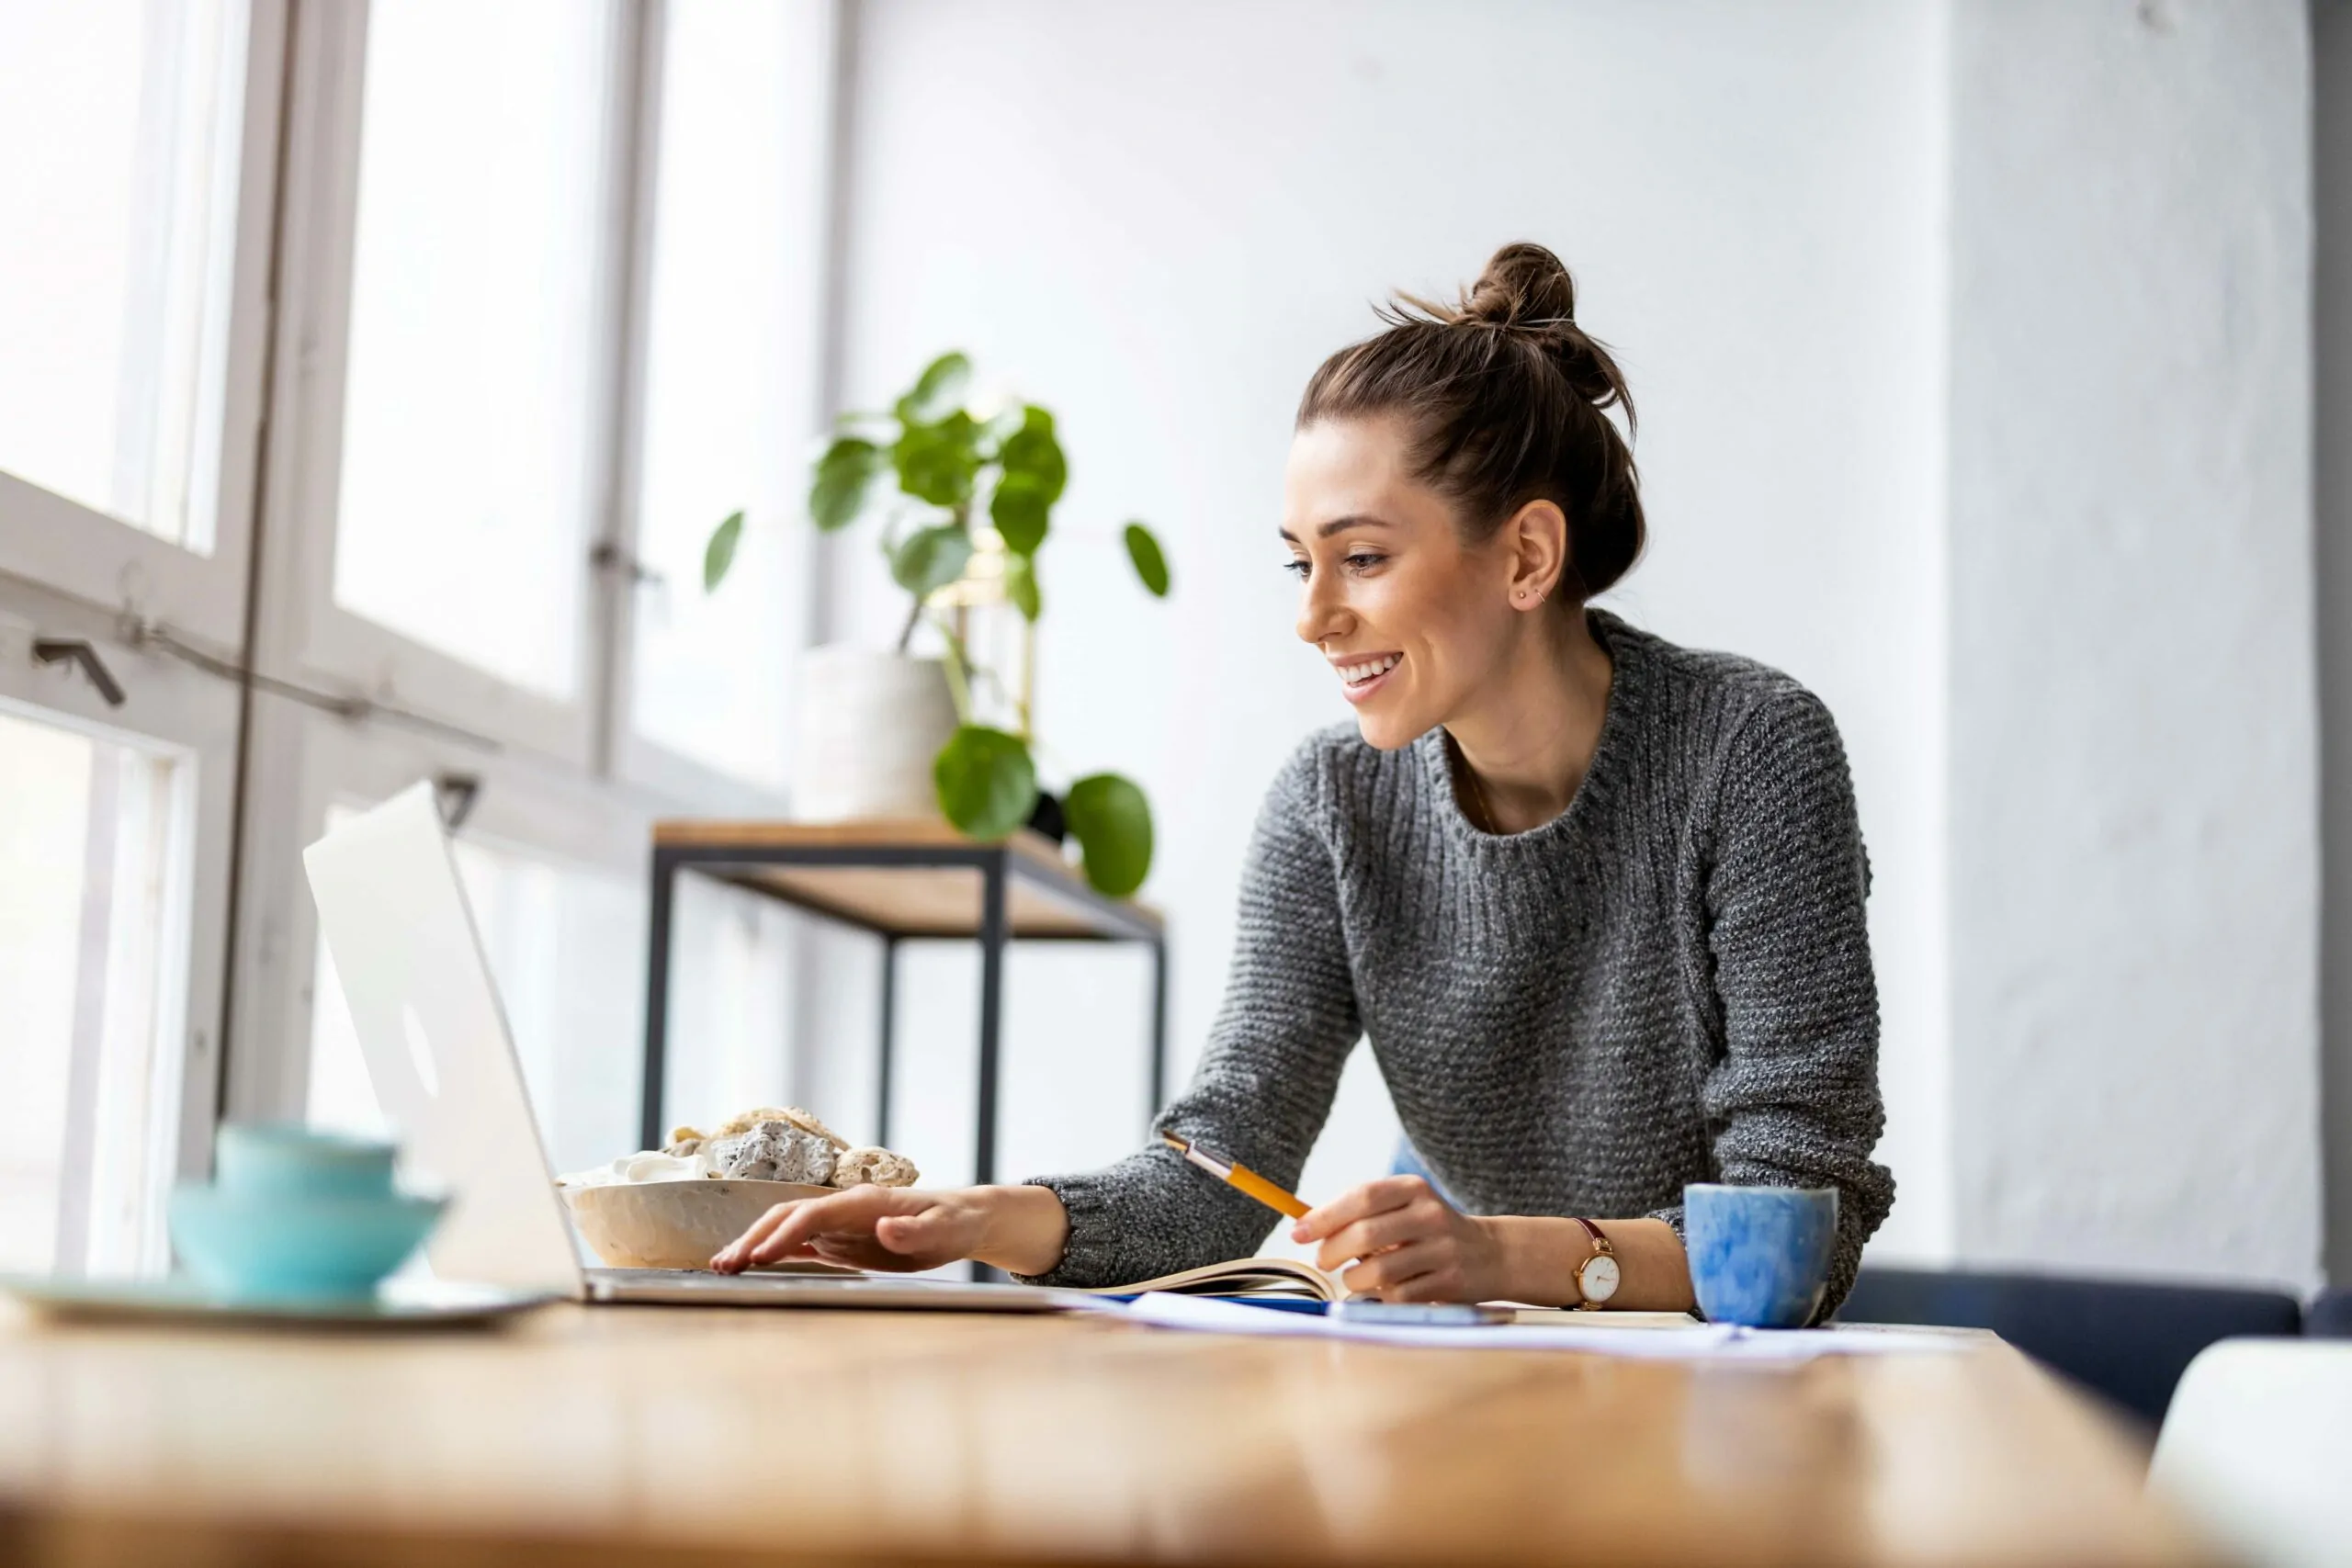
(1413, 1245)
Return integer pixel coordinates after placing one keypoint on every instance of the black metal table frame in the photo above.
(998, 864)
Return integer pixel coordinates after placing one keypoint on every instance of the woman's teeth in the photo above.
(1357, 674)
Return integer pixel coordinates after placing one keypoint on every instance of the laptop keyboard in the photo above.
(701, 1279)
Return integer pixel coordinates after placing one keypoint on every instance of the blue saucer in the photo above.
(423, 1304)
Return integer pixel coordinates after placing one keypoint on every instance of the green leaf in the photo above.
(938, 391)
(938, 462)
(1112, 822)
(1151, 566)
(987, 784)
(719, 554)
(1033, 451)
(844, 475)
(1020, 586)
(1019, 509)
(929, 558)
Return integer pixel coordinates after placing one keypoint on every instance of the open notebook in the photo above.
(1241, 1276)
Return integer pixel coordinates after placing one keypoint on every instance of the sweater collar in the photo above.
(1629, 674)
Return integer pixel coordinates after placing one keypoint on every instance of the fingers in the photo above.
(852, 1213)
(1419, 1271)
(732, 1258)
(786, 1230)
(1358, 1204)
(1396, 1227)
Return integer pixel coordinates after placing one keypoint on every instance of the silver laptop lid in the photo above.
(427, 1015)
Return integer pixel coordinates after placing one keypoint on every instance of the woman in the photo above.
(1596, 900)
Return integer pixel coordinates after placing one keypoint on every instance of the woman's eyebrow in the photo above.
(1336, 524)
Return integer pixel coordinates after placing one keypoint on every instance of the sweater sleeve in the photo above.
(1792, 1101)
(1265, 1080)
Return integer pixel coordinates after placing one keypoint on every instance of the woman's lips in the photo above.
(1384, 666)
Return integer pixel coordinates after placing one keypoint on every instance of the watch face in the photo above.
(1598, 1279)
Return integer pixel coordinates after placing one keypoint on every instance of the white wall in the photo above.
(2133, 737)
(1968, 338)
(1158, 221)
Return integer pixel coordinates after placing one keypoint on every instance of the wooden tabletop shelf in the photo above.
(1046, 898)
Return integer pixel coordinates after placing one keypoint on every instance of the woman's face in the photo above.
(1413, 620)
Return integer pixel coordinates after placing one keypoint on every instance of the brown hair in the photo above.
(1503, 393)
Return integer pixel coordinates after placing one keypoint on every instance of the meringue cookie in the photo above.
(879, 1166)
(771, 1151)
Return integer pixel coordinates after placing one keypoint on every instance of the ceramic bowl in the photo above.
(250, 1246)
(673, 1225)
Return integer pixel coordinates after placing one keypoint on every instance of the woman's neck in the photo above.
(1530, 737)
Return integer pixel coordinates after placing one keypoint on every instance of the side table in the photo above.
(900, 879)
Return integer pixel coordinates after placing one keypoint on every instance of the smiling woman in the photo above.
(1597, 901)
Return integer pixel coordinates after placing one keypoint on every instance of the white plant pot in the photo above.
(869, 726)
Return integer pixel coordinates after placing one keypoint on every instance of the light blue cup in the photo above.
(297, 1216)
(1759, 1255)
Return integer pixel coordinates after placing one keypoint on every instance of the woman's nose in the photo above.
(1320, 615)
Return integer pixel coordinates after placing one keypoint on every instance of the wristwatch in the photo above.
(1597, 1276)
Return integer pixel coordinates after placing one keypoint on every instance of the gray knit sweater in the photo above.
(1669, 982)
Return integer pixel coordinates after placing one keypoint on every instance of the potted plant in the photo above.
(966, 501)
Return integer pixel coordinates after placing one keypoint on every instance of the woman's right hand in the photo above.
(901, 1229)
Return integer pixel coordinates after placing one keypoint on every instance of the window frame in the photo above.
(172, 708)
(86, 556)
(306, 637)
(571, 779)
(71, 570)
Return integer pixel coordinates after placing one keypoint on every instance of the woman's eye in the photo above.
(1297, 569)
(1365, 561)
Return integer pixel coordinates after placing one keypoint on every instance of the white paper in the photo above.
(1700, 1342)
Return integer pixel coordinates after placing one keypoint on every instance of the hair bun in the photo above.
(1524, 285)
(1526, 290)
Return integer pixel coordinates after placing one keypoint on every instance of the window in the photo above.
(470, 475)
(534, 278)
(93, 926)
(489, 421)
(723, 386)
(730, 376)
(120, 120)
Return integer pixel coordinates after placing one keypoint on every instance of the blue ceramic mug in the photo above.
(1759, 1255)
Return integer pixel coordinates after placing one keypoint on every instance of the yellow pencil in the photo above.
(1235, 1175)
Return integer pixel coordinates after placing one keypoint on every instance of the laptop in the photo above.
(434, 1032)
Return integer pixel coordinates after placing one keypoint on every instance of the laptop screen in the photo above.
(427, 1011)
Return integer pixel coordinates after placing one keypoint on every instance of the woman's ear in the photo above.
(1537, 539)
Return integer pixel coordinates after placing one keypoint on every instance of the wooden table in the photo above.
(900, 880)
(667, 1436)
